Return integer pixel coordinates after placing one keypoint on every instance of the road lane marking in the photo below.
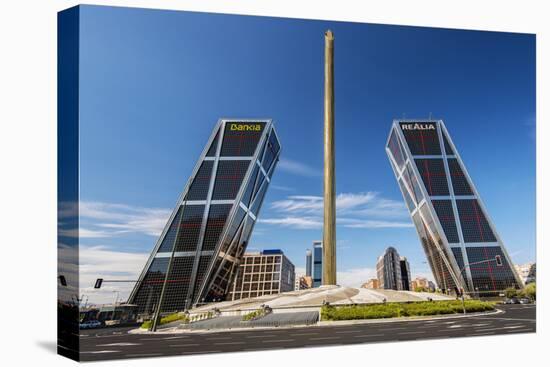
(220, 338)
(117, 344)
(229, 343)
(142, 354)
(447, 330)
(507, 319)
(489, 329)
(102, 351)
(325, 338)
(261, 336)
(349, 331)
(278, 341)
(183, 345)
(368, 336)
(201, 351)
(411, 332)
(428, 326)
(480, 334)
(520, 330)
(108, 336)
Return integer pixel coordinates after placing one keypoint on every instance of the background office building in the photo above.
(261, 273)
(388, 270)
(461, 243)
(308, 262)
(201, 247)
(405, 274)
(371, 284)
(302, 282)
(527, 272)
(317, 264)
(422, 283)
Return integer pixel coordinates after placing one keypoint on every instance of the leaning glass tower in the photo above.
(460, 241)
(198, 253)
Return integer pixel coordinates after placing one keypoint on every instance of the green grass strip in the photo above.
(391, 310)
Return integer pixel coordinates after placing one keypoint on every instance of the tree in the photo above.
(531, 291)
(510, 292)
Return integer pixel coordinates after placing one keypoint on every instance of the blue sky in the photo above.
(154, 83)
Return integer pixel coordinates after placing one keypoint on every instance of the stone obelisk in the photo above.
(329, 220)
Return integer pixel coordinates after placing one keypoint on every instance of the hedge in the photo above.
(390, 310)
(165, 320)
(254, 314)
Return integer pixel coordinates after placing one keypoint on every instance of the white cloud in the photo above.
(107, 219)
(102, 262)
(355, 210)
(355, 277)
(281, 188)
(87, 233)
(303, 204)
(297, 168)
(294, 222)
(357, 223)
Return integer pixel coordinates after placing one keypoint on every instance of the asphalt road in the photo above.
(116, 343)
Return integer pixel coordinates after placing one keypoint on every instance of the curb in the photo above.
(175, 330)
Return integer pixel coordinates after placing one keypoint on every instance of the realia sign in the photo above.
(417, 126)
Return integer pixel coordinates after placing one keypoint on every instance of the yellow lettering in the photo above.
(245, 127)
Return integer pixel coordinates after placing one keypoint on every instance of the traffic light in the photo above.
(98, 283)
(499, 260)
(62, 280)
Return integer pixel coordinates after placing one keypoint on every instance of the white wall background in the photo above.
(28, 179)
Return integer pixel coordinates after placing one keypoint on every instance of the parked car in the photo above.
(524, 301)
(511, 301)
(92, 324)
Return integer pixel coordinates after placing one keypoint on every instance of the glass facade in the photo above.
(460, 242)
(432, 172)
(309, 262)
(475, 227)
(388, 270)
(317, 264)
(203, 243)
(405, 274)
